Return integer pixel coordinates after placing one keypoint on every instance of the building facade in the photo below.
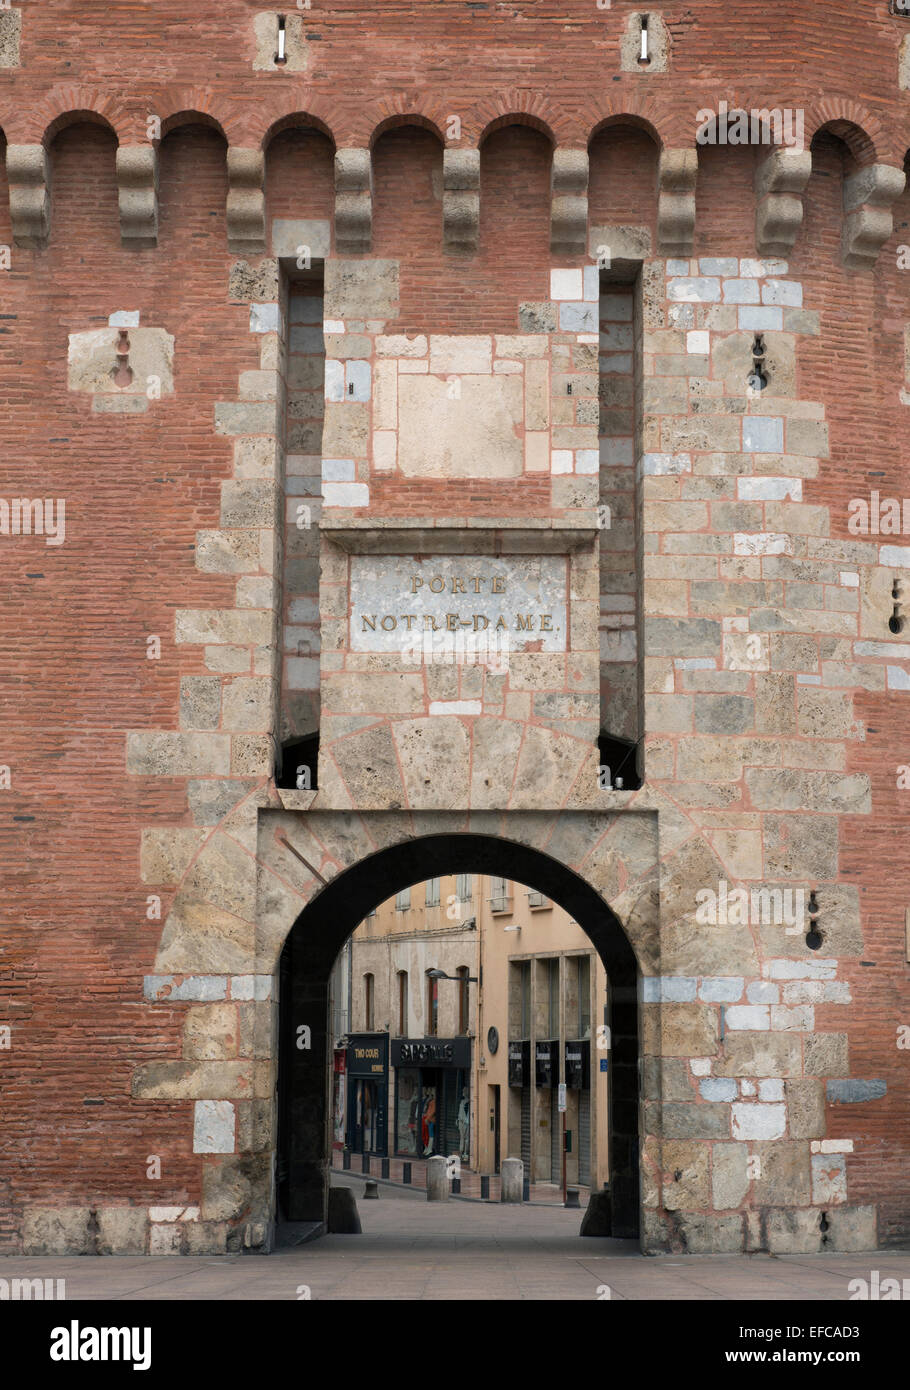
(483, 1049)
(444, 439)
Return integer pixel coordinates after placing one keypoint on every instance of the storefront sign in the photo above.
(578, 1064)
(546, 1063)
(431, 1052)
(368, 1054)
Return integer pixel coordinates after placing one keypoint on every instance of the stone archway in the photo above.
(325, 924)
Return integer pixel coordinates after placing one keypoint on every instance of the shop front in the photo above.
(368, 1093)
(432, 1097)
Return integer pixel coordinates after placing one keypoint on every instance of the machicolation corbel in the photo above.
(137, 193)
(676, 175)
(461, 199)
(246, 200)
(353, 200)
(28, 173)
(779, 184)
(569, 202)
(868, 222)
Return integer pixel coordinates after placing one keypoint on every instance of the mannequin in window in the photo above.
(429, 1124)
(463, 1123)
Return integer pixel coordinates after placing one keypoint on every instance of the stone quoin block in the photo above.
(10, 37)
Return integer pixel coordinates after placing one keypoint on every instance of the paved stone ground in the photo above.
(414, 1249)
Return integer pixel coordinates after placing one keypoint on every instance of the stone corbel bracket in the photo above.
(569, 202)
(246, 200)
(28, 173)
(676, 175)
(353, 200)
(868, 223)
(460, 199)
(779, 184)
(137, 193)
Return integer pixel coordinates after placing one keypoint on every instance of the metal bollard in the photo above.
(572, 1197)
(365, 1163)
(526, 1190)
(456, 1187)
(346, 1160)
(371, 1189)
(385, 1168)
(484, 1189)
(406, 1172)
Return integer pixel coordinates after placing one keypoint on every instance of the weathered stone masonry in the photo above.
(489, 384)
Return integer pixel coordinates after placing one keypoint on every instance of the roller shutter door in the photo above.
(584, 1138)
(526, 1129)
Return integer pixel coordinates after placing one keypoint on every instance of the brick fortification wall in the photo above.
(446, 175)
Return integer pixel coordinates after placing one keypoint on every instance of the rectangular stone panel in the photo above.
(400, 600)
(463, 427)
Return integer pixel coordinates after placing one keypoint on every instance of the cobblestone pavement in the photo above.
(414, 1249)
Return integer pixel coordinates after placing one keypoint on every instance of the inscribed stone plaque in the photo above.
(397, 598)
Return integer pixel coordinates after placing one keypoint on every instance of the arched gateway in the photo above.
(322, 928)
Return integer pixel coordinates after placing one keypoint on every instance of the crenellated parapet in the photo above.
(873, 155)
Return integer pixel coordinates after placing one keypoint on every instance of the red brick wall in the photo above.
(73, 619)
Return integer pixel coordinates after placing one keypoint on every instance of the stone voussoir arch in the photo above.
(312, 117)
(860, 130)
(522, 108)
(639, 115)
(396, 115)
